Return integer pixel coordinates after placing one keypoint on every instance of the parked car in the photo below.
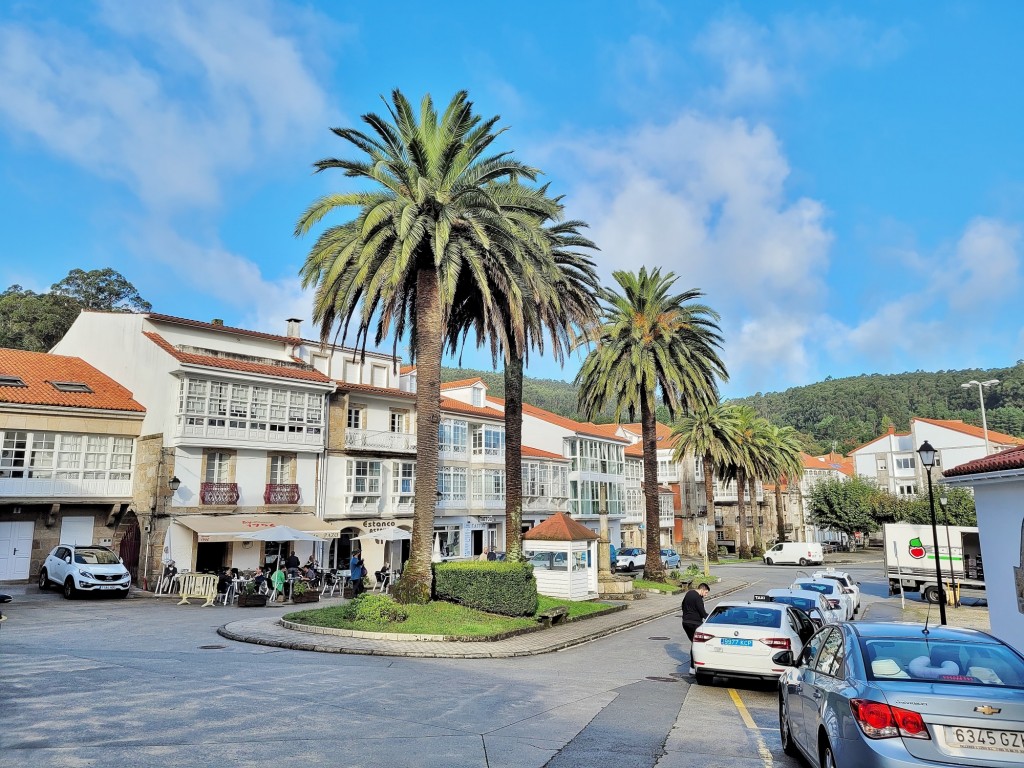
(670, 558)
(846, 580)
(832, 590)
(814, 604)
(742, 639)
(78, 568)
(795, 553)
(630, 558)
(863, 695)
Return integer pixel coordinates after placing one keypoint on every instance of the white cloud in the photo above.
(985, 268)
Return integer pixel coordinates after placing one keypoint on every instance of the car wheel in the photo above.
(931, 594)
(631, 566)
(803, 561)
(769, 561)
(828, 758)
(124, 593)
(704, 678)
(787, 738)
(69, 589)
(44, 580)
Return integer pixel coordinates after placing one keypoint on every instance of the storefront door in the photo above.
(15, 549)
(211, 556)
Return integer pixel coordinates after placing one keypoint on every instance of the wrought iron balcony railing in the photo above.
(218, 493)
(281, 493)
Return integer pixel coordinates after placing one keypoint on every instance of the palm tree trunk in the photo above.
(514, 458)
(709, 493)
(417, 579)
(653, 568)
(780, 518)
(742, 550)
(755, 519)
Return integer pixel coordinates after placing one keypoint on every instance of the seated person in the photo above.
(383, 574)
(259, 579)
(309, 575)
(223, 582)
(170, 574)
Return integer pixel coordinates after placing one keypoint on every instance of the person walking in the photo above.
(694, 614)
(357, 570)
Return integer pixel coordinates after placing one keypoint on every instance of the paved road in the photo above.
(143, 682)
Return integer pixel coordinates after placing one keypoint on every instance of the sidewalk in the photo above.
(268, 631)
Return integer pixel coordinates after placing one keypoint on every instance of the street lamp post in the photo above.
(981, 396)
(927, 454)
(944, 503)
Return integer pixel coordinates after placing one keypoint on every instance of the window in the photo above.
(530, 472)
(453, 436)
(121, 458)
(281, 470)
(832, 657)
(71, 386)
(217, 467)
(231, 409)
(666, 468)
(907, 489)
(450, 539)
(489, 485)
(12, 456)
(403, 478)
(363, 478)
(69, 457)
(41, 461)
(398, 421)
(906, 462)
(881, 465)
(12, 381)
(478, 397)
(451, 484)
(585, 497)
(355, 418)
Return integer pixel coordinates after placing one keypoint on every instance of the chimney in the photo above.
(216, 321)
(892, 429)
(294, 328)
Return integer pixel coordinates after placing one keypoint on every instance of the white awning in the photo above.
(232, 527)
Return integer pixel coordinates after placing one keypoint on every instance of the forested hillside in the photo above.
(844, 412)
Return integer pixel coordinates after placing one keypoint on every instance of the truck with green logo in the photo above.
(910, 554)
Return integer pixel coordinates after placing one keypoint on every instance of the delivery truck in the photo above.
(910, 556)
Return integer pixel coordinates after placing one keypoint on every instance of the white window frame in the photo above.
(403, 478)
(362, 477)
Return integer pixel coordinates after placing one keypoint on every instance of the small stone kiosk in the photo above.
(563, 553)
(998, 482)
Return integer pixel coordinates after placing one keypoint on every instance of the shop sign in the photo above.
(378, 525)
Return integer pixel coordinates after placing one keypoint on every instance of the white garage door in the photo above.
(15, 549)
(76, 530)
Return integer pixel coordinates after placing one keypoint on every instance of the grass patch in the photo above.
(657, 586)
(441, 618)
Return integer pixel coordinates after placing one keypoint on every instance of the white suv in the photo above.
(85, 568)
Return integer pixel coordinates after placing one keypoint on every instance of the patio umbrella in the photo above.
(435, 557)
(388, 535)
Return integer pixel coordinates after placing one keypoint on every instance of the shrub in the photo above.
(757, 550)
(505, 588)
(378, 609)
(744, 552)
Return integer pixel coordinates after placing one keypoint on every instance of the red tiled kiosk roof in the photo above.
(1010, 459)
(280, 371)
(39, 371)
(560, 527)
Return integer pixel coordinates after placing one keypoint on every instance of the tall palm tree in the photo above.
(788, 466)
(711, 434)
(559, 288)
(651, 341)
(761, 461)
(428, 227)
(738, 468)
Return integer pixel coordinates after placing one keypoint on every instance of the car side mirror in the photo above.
(67, 559)
(784, 659)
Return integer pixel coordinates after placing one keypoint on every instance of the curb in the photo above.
(451, 653)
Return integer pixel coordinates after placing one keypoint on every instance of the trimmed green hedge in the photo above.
(505, 588)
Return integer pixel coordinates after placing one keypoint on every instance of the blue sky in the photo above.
(845, 182)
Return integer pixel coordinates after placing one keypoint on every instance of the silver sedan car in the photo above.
(899, 695)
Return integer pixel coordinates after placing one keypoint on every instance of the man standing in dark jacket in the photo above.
(694, 614)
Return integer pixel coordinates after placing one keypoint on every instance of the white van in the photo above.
(795, 553)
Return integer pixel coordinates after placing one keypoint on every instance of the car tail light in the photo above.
(702, 637)
(880, 721)
(832, 603)
(782, 643)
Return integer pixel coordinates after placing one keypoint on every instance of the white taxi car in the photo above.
(814, 604)
(846, 580)
(837, 595)
(741, 639)
(85, 569)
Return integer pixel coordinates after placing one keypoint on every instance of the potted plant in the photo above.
(301, 593)
(249, 597)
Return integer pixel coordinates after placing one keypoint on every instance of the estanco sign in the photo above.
(378, 525)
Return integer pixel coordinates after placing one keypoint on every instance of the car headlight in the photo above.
(87, 575)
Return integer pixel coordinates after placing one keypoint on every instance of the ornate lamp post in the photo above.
(927, 454)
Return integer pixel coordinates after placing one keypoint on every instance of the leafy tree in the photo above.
(651, 340)
(844, 505)
(101, 289)
(433, 223)
(959, 509)
(37, 321)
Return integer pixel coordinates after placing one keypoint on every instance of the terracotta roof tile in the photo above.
(969, 429)
(278, 371)
(560, 527)
(582, 428)
(537, 453)
(223, 328)
(407, 369)
(662, 431)
(1012, 458)
(635, 450)
(345, 386)
(460, 383)
(457, 406)
(39, 369)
